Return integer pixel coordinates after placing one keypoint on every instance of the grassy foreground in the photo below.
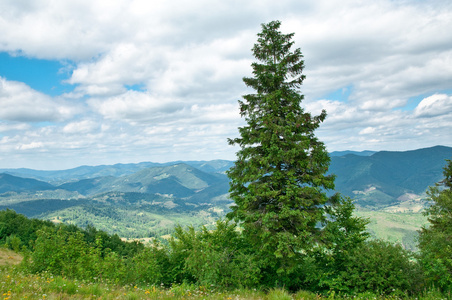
(16, 284)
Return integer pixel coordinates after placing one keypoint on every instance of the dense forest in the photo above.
(288, 230)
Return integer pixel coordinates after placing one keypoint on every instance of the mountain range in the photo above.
(159, 195)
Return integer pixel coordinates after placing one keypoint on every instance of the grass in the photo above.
(15, 284)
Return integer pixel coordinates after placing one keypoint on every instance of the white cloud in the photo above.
(367, 130)
(19, 102)
(4, 127)
(81, 127)
(134, 106)
(32, 145)
(435, 105)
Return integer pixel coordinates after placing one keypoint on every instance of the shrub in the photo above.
(381, 267)
(219, 257)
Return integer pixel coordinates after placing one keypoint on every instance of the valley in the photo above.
(148, 199)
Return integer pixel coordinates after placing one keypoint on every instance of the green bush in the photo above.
(150, 266)
(218, 257)
(380, 267)
(13, 242)
(64, 253)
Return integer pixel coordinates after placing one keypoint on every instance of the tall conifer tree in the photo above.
(279, 179)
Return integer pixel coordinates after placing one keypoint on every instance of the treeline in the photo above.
(22, 234)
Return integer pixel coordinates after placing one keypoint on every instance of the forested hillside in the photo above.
(148, 199)
(149, 202)
(386, 177)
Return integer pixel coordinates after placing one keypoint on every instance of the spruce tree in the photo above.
(279, 180)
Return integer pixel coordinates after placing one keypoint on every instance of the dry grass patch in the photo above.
(9, 257)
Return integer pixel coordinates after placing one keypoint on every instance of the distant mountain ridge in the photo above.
(179, 180)
(10, 183)
(144, 203)
(111, 197)
(390, 174)
(346, 152)
(117, 170)
(385, 176)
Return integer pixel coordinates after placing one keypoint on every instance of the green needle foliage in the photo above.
(278, 181)
(435, 241)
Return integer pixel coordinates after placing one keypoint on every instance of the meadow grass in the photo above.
(14, 284)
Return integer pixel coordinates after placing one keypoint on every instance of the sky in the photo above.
(91, 82)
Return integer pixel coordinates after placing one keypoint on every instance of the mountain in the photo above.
(82, 172)
(383, 177)
(148, 199)
(372, 178)
(88, 172)
(179, 180)
(146, 203)
(10, 183)
(346, 152)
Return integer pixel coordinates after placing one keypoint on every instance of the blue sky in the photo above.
(46, 76)
(95, 82)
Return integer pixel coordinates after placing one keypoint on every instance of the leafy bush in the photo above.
(64, 253)
(343, 233)
(13, 242)
(380, 267)
(218, 257)
(150, 266)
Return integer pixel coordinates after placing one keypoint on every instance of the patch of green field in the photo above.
(393, 226)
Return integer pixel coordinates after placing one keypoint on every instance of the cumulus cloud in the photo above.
(135, 106)
(80, 127)
(435, 105)
(19, 102)
(5, 127)
(32, 145)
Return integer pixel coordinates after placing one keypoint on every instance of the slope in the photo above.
(386, 176)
